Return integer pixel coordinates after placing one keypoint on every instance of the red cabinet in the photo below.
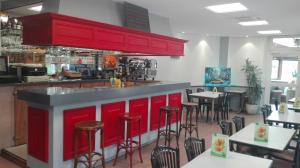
(110, 117)
(140, 107)
(175, 101)
(61, 30)
(71, 117)
(38, 133)
(156, 103)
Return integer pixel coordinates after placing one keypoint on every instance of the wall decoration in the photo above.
(217, 76)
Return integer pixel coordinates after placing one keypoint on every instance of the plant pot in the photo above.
(252, 108)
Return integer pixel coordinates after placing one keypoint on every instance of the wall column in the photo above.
(223, 57)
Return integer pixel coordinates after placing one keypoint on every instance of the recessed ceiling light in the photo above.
(182, 32)
(269, 32)
(226, 8)
(254, 23)
(36, 8)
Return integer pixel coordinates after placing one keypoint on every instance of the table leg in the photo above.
(241, 95)
(212, 109)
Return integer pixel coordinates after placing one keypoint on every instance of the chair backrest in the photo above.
(188, 92)
(226, 127)
(297, 155)
(194, 147)
(239, 123)
(165, 157)
(266, 111)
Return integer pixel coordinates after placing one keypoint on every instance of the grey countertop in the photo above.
(52, 82)
(55, 96)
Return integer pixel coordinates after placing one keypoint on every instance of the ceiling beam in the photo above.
(11, 4)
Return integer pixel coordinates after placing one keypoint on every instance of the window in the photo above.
(284, 69)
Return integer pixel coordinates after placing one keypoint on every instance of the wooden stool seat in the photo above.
(89, 125)
(189, 104)
(130, 117)
(92, 158)
(169, 109)
(129, 145)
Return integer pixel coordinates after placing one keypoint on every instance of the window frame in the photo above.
(280, 66)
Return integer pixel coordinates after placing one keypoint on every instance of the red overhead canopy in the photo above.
(59, 30)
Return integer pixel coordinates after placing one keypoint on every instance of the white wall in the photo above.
(257, 49)
(200, 52)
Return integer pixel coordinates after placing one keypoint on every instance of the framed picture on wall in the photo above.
(3, 65)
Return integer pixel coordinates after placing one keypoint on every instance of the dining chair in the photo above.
(290, 156)
(194, 147)
(219, 107)
(239, 123)
(165, 157)
(203, 103)
(226, 127)
(225, 106)
(188, 92)
(266, 111)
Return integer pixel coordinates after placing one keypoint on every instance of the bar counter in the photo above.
(53, 111)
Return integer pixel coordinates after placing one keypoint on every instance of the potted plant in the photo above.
(254, 92)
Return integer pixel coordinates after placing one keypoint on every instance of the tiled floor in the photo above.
(205, 131)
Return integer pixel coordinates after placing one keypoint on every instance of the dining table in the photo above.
(289, 117)
(279, 138)
(233, 160)
(210, 96)
(292, 107)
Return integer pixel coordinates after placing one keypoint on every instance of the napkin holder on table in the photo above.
(261, 132)
(297, 102)
(283, 108)
(220, 145)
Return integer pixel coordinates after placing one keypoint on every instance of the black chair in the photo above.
(202, 102)
(194, 147)
(225, 106)
(266, 111)
(226, 127)
(188, 92)
(165, 157)
(239, 123)
(293, 157)
(219, 108)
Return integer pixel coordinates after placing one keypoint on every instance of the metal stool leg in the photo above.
(158, 130)
(140, 142)
(90, 149)
(75, 148)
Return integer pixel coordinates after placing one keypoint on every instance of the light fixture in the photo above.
(182, 32)
(36, 8)
(227, 8)
(269, 32)
(254, 23)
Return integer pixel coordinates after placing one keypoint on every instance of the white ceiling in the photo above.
(191, 16)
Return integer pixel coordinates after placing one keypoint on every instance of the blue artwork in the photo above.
(217, 76)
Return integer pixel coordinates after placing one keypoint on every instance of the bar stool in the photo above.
(129, 144)
(189, 126)
(91, 158)
(168, 111)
